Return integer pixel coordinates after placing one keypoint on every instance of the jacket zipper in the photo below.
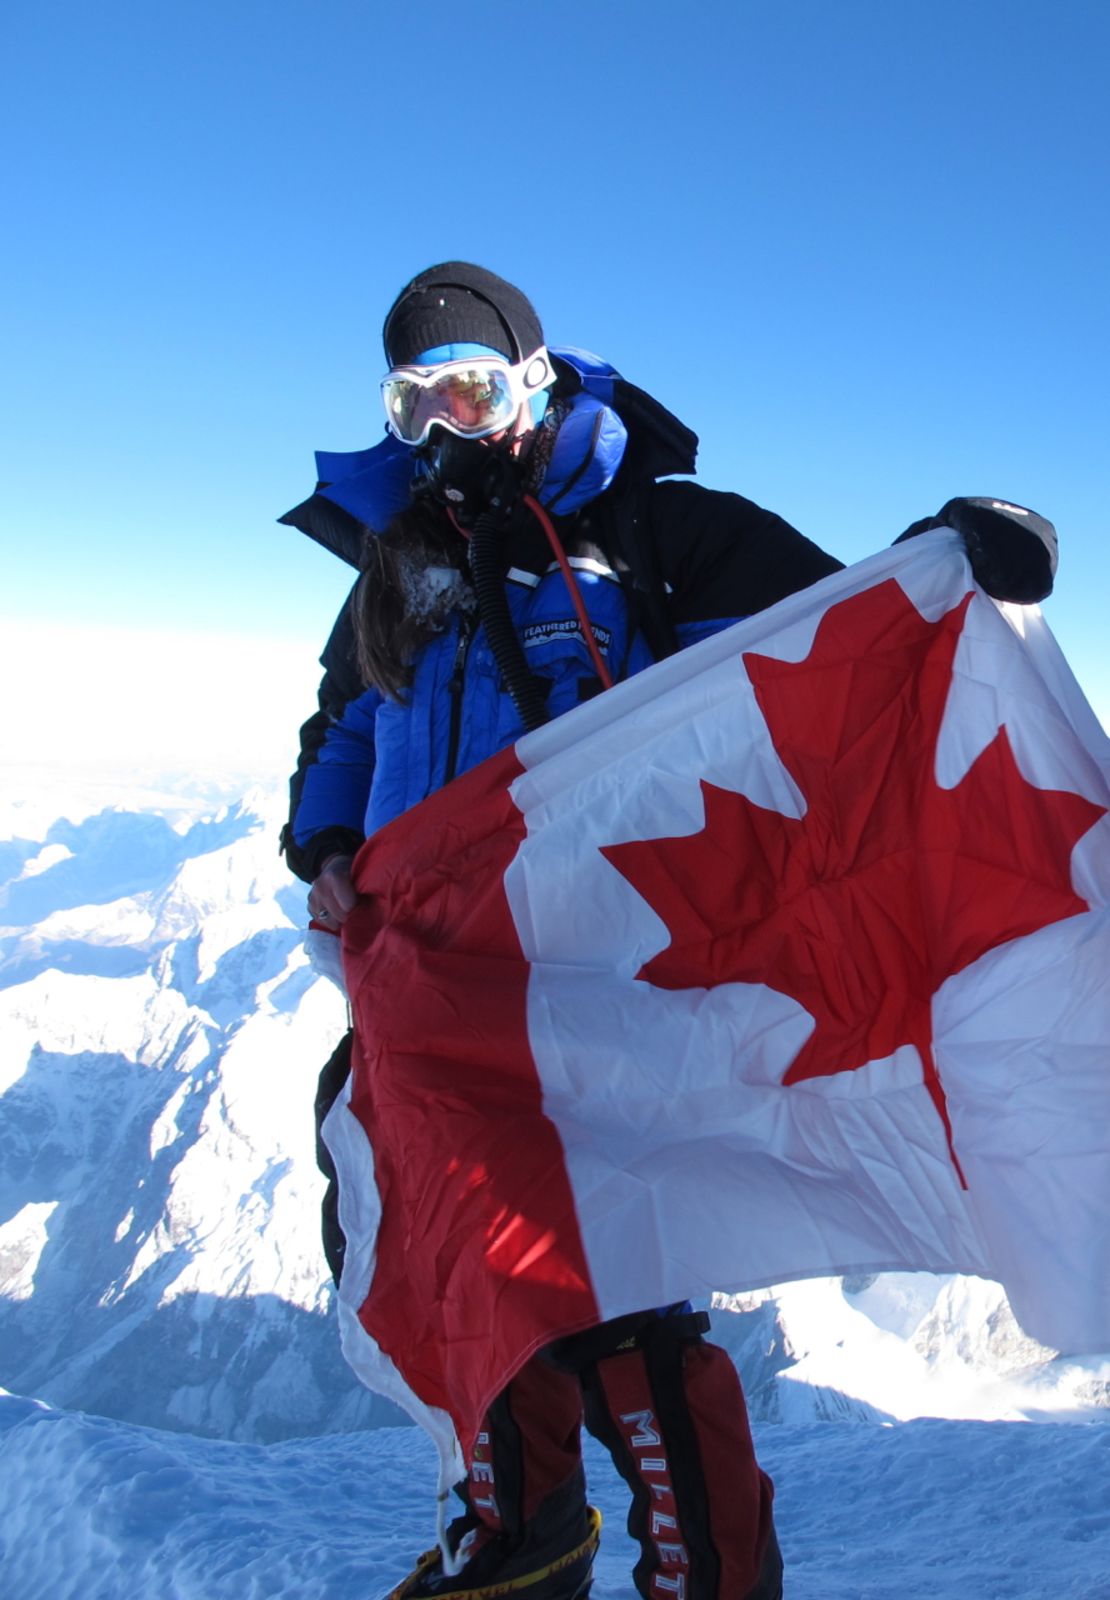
(455, 690)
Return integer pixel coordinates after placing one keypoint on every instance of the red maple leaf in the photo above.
(888, 884)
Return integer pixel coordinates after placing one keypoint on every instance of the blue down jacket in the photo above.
(382, 757)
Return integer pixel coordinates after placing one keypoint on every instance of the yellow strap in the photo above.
(494, 1591)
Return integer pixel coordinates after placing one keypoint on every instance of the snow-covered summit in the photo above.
(96, 1510)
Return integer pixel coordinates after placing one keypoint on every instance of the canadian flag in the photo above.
(787, 957)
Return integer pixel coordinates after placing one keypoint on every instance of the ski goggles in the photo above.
(473, 397)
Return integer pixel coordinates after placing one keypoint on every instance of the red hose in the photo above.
(572, 588)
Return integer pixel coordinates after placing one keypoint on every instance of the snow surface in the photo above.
(96, 1510)
(160, 1036)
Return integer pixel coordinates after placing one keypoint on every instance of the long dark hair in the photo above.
(396, 607)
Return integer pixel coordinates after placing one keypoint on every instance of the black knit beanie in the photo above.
(457, 303)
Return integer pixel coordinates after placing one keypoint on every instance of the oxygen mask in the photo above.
(470, 476)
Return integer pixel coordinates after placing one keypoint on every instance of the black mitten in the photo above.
(1012, 550)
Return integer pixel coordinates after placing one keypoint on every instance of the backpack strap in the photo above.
(630, 536)
(656, 445)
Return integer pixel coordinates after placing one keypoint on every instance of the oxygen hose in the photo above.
(493, 608)
(574, 591)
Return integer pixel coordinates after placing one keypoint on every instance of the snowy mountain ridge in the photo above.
(160, 1036)
(160, 1033)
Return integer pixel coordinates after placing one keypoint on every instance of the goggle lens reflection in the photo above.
(471, 398)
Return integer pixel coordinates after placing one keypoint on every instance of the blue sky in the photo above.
(861, 247)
